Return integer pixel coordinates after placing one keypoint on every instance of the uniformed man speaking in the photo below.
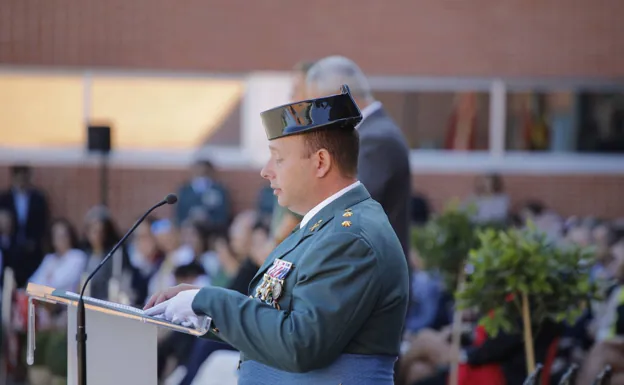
(328, 305)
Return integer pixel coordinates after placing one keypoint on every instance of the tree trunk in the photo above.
(456, 333)
(528, 334)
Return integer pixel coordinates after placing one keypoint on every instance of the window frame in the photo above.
(496, 158)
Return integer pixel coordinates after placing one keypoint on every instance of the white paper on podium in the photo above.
(203, 322)
(48, 294)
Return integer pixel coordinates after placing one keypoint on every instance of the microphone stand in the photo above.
(81, 334)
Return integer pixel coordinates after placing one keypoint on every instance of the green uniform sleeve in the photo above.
(334, 295)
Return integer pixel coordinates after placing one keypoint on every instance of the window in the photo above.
(162, 113)
(41, 111)
(441, 120)
(565, 121)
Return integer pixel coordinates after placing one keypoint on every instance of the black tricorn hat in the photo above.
(331, 112)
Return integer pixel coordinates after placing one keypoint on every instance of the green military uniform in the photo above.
(330, 301)
(346, 293)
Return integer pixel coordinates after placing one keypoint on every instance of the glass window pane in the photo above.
(566, 121)
(441, 120)
(41, 111)
(161, 113)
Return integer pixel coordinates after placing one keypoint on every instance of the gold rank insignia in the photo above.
(346, 224)
(316, 225)
(347, 214)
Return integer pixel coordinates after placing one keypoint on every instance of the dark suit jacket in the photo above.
(216, 202)
(383, 168)
(26, 254)
(38, 212)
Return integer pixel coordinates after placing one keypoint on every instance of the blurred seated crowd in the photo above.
(205, 244)
(595, 340)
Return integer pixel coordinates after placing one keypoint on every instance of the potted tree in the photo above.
(443, 244)
(519, 274)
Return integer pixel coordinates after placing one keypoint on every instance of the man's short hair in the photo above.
(193, 269)
(328, 74)
(343, 145)
(20, 169)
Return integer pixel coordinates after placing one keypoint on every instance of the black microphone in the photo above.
(81, 334)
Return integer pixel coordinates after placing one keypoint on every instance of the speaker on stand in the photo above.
(99, 142)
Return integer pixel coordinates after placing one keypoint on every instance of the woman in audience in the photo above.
(491, 201)
(168, 239)
(259, 250)
(100, 237)
(145, 259)
(62, 268)
(232, 254)
(198, 236)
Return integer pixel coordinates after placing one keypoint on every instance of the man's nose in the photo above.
(265, 172)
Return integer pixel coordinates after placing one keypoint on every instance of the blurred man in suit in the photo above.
(383, 163)
(204, 196)
(28, 207)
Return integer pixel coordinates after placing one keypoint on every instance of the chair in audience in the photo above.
(220, 368)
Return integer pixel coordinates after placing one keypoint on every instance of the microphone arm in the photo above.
(81, 334)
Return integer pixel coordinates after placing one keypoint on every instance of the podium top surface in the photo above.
(51, 295)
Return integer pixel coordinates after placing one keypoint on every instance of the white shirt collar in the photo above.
(310, 214)
(369, 110)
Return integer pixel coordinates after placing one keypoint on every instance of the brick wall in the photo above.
(425, 37)
(72, 190)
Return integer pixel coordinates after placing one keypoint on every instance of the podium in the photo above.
(121, 340)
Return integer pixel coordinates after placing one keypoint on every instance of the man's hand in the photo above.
(166, 294)
(608, 352)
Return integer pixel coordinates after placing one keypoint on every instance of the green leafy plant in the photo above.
(519, 279)
(444, 242)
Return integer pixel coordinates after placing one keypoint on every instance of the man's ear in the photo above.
(323, 163)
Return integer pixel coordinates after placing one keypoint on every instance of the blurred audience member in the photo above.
(609, 318)
(604, 238)
(266, 204)
(491, 201)
(174, 348)
(29, 209)
(145, 258)
(543, 218)
(608, 352)
(231, 255)
(259, 250)
(177, 254)
(206, 192)
(8, 256)
(201, 240)
(100, 236)
(251, 242)
(420, 209)
(429, 357)
(428, 304)
(61, 268)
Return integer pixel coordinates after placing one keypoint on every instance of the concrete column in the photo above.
(264, 90)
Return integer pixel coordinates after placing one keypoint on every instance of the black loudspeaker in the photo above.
(99, 139)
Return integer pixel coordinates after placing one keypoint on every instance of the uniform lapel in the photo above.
(315, 224)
